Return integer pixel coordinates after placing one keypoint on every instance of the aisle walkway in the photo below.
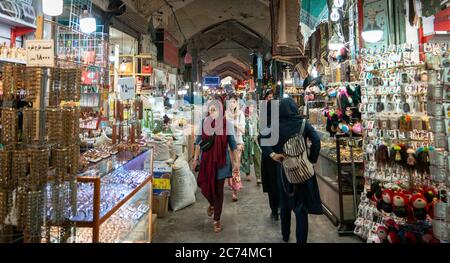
(244, 221)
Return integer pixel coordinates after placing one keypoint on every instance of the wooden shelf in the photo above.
(15, 22)
(12, 60)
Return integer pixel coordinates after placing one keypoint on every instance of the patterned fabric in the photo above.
(312, 13)
(247, 155)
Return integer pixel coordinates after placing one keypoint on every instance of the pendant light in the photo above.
(335, 42)
(52, 7)
(87, 22)
(123, 66)
(372, 33)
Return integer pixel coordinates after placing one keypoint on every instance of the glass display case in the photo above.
(340, 170)
(114, 194)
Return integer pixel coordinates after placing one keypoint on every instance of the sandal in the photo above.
(234, 197)
(210, 210)
(248, 178)
(217, 227)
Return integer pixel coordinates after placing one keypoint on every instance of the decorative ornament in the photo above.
(334, 16)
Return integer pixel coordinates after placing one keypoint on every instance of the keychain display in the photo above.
(404, 118)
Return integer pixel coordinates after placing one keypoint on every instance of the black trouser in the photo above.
(274, 201)
(287, 206)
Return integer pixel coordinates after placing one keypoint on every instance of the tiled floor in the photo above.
(244, 221)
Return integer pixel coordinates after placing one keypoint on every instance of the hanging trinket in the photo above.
(411, 161)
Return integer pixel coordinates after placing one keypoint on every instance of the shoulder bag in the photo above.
(296, 165)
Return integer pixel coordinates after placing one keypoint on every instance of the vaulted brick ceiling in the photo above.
(230, 30)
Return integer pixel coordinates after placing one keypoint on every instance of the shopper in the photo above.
(237, 119)
(215, 161)
(269, 169)
(252, 152)
(301, 198)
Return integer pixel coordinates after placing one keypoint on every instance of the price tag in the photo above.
(40, 53)
(126, 88)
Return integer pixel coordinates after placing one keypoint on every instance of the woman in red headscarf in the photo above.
(215, 162)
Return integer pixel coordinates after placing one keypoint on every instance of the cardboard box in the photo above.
(160, 203)
(162, 173)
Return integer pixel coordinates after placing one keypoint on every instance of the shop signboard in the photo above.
(172, 81)
(211, 81)
(170, 50)
(376, 12)
(126, 88)
(40, 53)
(160, 77)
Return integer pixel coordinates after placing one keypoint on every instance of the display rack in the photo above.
(105, 174)
(404, 137)
(347, 224)
(337, 180)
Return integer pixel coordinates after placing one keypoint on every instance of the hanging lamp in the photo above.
(335, 42)
(372, 33)
(52, 7)
(87, 22)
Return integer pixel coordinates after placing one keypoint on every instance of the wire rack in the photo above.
(73, 45)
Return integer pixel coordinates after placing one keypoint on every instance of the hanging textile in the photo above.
(312, 13)
(260, 67)
(286, 44)
(287, 24)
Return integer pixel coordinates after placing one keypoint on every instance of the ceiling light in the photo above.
(372, 33)
(335, 43)
(334, 16)
(87, 22)
(314, 72)
(338, 3)
(123, 66)
(52, 7)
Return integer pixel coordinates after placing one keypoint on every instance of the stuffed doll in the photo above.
(423, 160)
(393, 237)
(409, 238)
(374, 194)
(419, 206)
(432, 196)
(382, 233)
(430, 193)
(400, 204)
(411, 161)
(391, 224)
(385, 203)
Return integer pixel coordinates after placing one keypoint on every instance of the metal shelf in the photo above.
(15, 22)
(12, 60)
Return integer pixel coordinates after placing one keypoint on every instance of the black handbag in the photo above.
(207, 144)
